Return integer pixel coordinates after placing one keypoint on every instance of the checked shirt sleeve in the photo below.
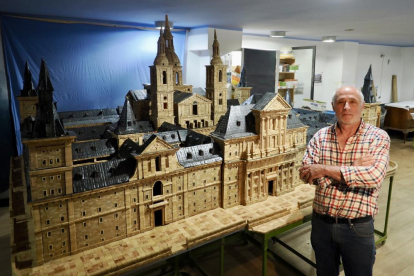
(312, 156)
(370, 177)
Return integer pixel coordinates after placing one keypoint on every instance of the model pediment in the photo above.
(195, 98)
(156, 144)
(271, 102)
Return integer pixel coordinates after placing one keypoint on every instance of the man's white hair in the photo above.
(361, 96)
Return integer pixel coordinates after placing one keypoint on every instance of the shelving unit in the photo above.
(286, 76)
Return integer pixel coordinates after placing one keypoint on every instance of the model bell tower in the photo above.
(162, 87)
(174, 60)
(216, 83)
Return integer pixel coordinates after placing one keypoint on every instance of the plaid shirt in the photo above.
(357, 197)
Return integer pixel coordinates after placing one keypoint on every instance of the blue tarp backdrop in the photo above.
(91, 66)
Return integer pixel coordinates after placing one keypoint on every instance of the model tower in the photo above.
(28, 97)
(216, 88)
(162, 87)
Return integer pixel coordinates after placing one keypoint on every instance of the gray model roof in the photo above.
(314, 126)
(82, 114)
(138, 95)
(109, 119)
(262, 103)
(293, 120)
(93, 149)
(104, 174)
(317, 116)
(181, 96)
(128, 124)
(253, 99)
(90, 132)
(198, 155)
(171, 137)
(237, 122)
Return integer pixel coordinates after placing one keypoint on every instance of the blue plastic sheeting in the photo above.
(91, 66)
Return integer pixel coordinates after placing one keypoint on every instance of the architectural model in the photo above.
(88, 179)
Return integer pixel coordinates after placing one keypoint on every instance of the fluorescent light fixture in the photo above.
(330, 38)
(159, 24)
(277, 34)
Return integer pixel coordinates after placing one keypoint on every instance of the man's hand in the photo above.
(365, 161)
(309, 173)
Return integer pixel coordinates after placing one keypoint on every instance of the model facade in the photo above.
(77, 187)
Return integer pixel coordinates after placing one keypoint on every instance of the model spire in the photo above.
(167, 35)
(216, 51)
(28, 89)
(367, 89)
(44, 80)
(47, 122)
(161, 58)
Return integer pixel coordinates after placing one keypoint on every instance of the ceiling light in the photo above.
(277, 34)
(329, 38)
(159, 24)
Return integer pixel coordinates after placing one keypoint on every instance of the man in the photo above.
(347, 162)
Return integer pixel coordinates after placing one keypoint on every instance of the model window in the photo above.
(62, 218)
(44, 193)
(59, 190)
(47, 222)
(220, 102)
(100, 220)
(57, 160)
(165, 105)
(49, 234)
(157, 189)
(63, 244)
(63, 230)
(116, 227)
(51, 161)
(220, 76)
(164, 77)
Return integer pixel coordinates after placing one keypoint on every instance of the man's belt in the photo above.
(329, 219)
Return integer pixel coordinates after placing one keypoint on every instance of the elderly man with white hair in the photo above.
(347, 162)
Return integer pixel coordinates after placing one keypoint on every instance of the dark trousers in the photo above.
(354, 244)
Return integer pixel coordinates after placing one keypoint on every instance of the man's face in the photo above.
(348, 107)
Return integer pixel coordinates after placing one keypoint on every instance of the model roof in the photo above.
(237, 122)
(128, 124)
(253, 99)
(181, 96)
(28, 89)
(93, 149)
(90, 132)
(138, 95)
(198, 155)
(171, 137)
(262, 103)
(82, 114)
(293, 120)
(103, 174)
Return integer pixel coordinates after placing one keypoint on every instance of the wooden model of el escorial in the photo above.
(88, 193)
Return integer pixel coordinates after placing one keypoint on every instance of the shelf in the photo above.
(287, 60)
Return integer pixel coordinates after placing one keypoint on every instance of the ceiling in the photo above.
(381, 22)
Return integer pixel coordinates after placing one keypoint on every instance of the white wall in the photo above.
(199, 52)
(382, 69)
(328, 60)
(406, 89)
(346, 63)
